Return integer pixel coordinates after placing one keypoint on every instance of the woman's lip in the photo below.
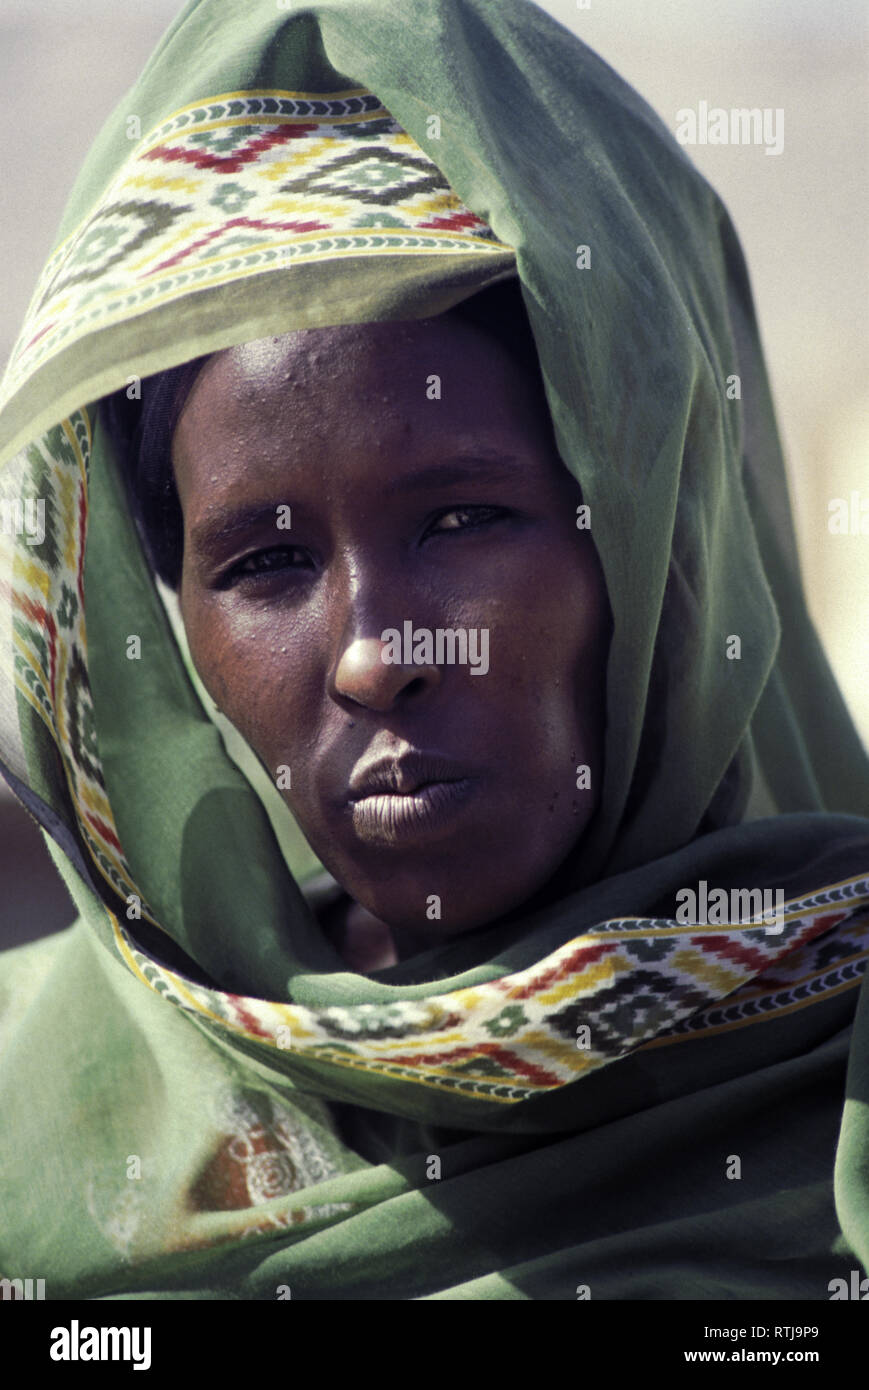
(403, 774)
(391, 818)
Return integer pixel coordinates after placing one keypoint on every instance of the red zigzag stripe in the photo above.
(231, 163)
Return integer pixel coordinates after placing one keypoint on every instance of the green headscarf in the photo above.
(233, 1111)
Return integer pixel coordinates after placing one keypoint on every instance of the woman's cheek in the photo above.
(271, 699)
(229, 665)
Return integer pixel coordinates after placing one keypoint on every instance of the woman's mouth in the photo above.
(426, 813)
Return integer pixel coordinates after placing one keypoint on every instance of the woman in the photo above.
(402, 773)
(524, 1040)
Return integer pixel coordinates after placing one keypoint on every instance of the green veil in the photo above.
(600, 1095)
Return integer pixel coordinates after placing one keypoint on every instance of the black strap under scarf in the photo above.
(141, 427)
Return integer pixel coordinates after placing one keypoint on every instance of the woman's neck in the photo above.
(364, 942)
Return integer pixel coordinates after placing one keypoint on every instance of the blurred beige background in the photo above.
(801, 215)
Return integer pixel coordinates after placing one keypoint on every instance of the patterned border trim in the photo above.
(818, 970)
(238, 185)
(623, 984)
(44, 586)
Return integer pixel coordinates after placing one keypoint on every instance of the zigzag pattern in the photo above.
(245, 183)
(522, 1035)
(45, 587)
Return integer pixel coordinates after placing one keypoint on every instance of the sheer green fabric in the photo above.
(410, 1133)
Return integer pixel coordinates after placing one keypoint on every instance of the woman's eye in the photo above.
(265, 562)
(466, 518)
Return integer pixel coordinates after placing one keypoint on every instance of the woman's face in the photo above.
(438, 786)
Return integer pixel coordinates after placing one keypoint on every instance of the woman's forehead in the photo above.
(306, 410)
(361, 343)
(437, 368)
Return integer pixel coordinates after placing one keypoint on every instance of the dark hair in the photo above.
(141, 429)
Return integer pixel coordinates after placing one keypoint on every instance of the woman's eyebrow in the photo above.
(226, 523)
(478, 467)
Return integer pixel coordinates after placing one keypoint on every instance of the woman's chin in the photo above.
(432, 915)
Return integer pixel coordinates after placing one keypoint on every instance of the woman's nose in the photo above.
(362, 675)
